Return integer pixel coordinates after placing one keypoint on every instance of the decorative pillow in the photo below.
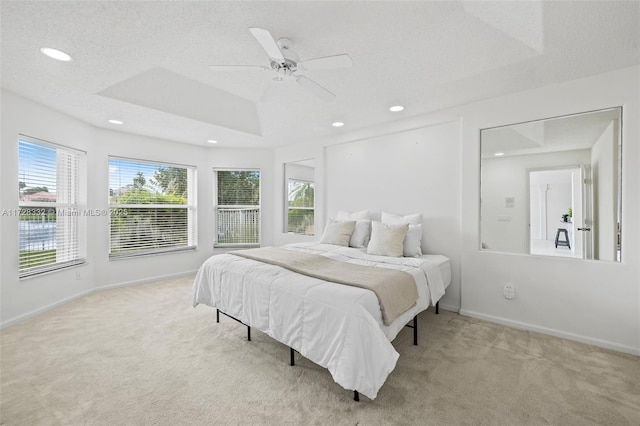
(360, 236)
(338, 232)
(411, 219)
(364, 214)
(412, 245)
(387, 240)
(413, 240)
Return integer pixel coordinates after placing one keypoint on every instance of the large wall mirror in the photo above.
(299, 182)
(552, 187)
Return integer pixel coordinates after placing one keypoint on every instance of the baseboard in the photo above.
(44, 309)
(450, 308)
(553, 332)
(143, 281)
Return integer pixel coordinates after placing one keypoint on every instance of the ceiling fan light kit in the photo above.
(285, 62)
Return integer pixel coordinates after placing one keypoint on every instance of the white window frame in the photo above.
(217, 208)
(69, 207)
(120, 209)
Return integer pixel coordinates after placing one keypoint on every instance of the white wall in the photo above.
(20, 297)
(23, 298)
(409, 172)
(407, 166)
(596, 302)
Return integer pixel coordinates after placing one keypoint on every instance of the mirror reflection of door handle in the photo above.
(584, 229)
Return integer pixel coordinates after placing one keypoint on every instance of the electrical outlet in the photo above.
(509, 291)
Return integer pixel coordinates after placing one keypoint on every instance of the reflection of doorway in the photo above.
(556, 195)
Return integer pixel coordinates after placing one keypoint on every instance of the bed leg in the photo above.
(415, 330)
(217, 315)
(248, 333)
(437, 308)
(356, 395)
(292, 360)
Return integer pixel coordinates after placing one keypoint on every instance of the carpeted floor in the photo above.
(142, 355)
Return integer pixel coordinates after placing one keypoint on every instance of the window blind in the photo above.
(300, 212)
(52, 201)
(237, 207)
(152, 207)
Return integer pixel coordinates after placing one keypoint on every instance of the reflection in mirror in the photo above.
(552, 187)
(300, 197)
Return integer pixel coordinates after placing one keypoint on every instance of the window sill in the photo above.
(49, 269)
(150, 253)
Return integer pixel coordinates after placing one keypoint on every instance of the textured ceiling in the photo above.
(423, 55)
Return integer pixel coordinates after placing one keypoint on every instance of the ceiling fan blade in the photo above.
(315, 88)
(271, 91)
(328, 62)
(238, 68)
(267, 42)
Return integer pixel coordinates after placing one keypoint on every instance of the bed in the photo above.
(339, 327)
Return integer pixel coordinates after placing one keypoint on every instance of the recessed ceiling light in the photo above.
(337, 124)
(499, 154)
(212, 141)
(112, 121)
(56, 54)
(396, 108)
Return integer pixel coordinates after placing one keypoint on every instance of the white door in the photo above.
(584, 227)
(577, 206)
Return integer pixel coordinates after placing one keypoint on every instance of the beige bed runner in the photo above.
(396, 290)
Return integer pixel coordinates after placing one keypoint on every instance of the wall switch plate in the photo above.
(509, 291)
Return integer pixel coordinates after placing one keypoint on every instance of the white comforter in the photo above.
(336, 326)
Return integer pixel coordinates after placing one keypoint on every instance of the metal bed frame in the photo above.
(356, 394)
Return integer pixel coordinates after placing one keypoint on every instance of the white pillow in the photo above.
(411, 219)
(413, 240)
(360, 236)
(338, 232)
(364, 214)
(412, 245)
(387, 240)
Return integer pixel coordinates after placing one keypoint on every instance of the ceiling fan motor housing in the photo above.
(291, 58)
(287, 66)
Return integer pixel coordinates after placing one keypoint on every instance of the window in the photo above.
(237, 207)
(52, 197)
(300, 213)
(152, 207)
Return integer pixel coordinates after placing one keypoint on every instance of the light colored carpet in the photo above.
(142, 355)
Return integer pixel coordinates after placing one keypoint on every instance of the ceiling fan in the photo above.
(285, 63)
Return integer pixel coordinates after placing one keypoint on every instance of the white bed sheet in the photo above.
(336, 326)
